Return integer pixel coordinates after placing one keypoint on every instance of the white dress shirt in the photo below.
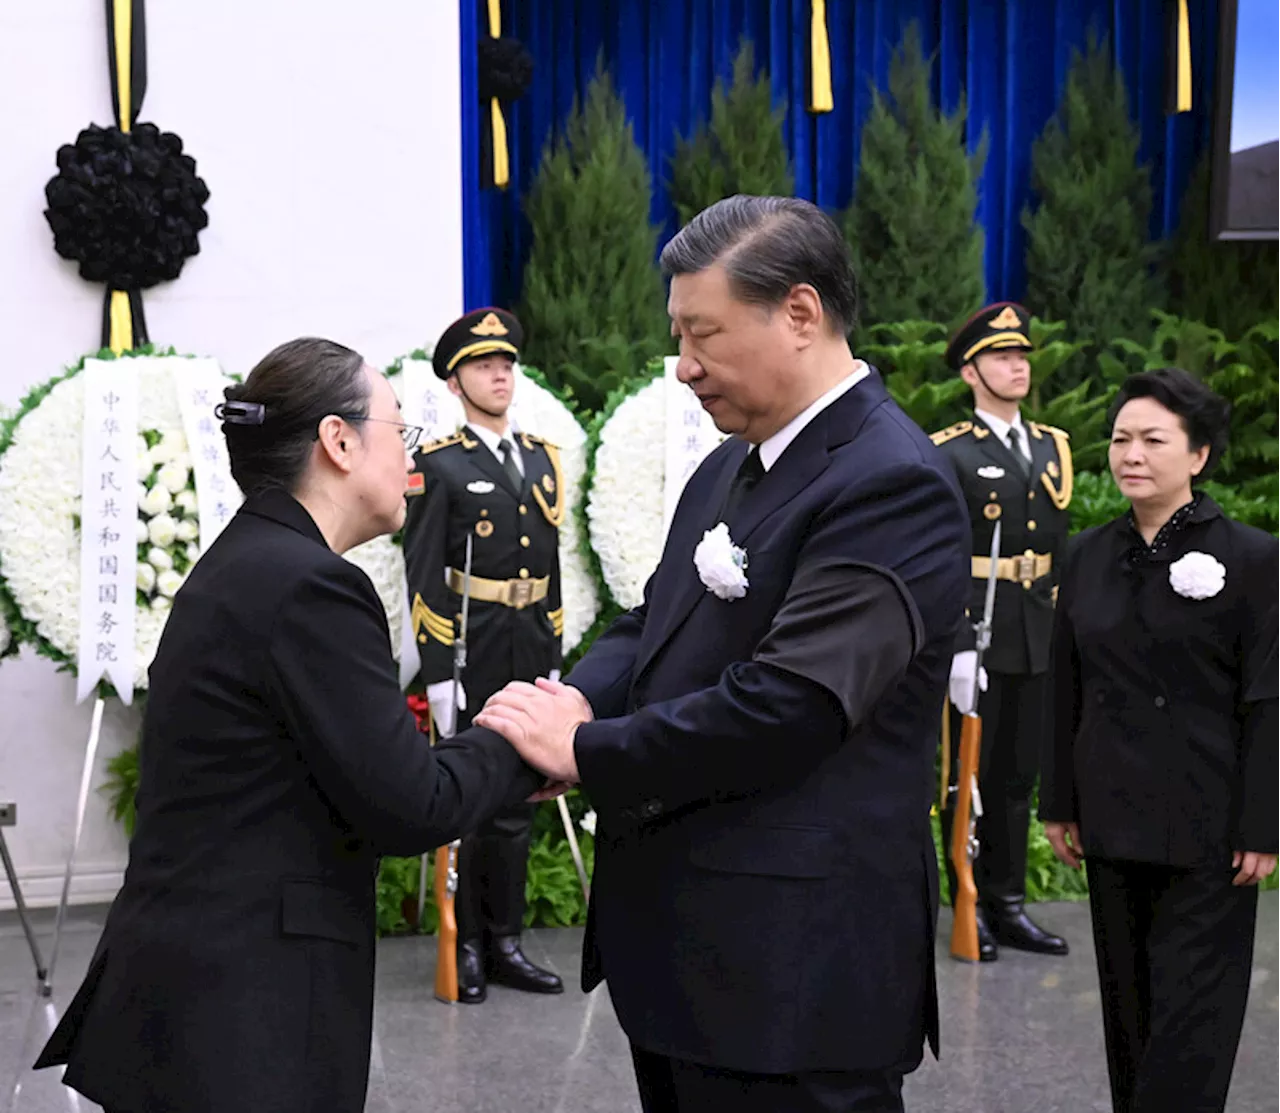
(1001, 428)
(492, 441)
(776, 445)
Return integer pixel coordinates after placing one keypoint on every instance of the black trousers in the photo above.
(677, 1086)
(1175, 953)
(1014, 714)
(493, 860)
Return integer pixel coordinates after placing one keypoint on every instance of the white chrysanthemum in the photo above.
(142, 533)
(162, 530)
(383, 563)
(160, 559)
(185, 501)
(174, 476)
(625, 507)
(538, 411)
(158, 500)
(40, 475)
(187, 530)
(167, 583)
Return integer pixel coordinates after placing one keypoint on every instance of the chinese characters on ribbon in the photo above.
(427, 401)
(199, 384)
(108, 527)
(690, 437)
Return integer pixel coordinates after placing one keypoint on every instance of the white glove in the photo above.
(554, 675)
(440, 697)
(961, 684)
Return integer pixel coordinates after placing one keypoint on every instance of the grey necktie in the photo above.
(509, 463)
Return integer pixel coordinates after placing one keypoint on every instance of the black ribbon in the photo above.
(137, 59)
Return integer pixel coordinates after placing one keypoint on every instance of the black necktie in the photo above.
(509, 464)
(749, 474)
(1015, 446)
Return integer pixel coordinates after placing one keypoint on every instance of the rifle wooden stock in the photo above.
(964, 902)
(447, 939)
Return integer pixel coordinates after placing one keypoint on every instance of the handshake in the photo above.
(538, 719)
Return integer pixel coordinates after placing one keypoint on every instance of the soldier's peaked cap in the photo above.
(1006, 324)
(479, 333)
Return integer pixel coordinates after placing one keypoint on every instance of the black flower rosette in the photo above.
(127, 206)
(505, 70)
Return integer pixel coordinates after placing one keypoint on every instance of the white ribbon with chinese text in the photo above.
(108, 527)
(199, 384)
(690, 437)
(427, 401)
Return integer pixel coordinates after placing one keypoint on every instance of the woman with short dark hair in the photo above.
(1162, 767)
(279, 760)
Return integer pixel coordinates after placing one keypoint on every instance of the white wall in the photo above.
(328, 135)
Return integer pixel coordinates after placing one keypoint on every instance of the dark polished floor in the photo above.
(1021, 1036)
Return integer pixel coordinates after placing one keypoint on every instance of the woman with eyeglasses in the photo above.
(1163, 762)
(278, 762)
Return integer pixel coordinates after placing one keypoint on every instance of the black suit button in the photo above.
(1160, 701)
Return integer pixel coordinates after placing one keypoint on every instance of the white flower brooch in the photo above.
(722, 565)
(1197, 576)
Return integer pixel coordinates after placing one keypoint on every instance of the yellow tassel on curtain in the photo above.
(501, 160)
(1184, 58)
(120, 336)
(820, 99)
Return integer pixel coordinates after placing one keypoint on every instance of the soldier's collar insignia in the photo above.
(1006, 319)
(490, 325)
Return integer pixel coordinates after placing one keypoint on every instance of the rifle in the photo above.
(446, 875)
(964, 840)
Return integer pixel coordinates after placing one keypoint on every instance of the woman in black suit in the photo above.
(1162, 772)
(279, 761)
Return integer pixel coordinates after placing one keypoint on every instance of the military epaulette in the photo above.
(959, 429)
(530, 439)
(443, 442)
(1052, 430)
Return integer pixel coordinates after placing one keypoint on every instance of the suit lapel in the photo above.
(806, 458)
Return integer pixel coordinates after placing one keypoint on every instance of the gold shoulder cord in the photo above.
(553, 514)
(1060, 493)
(951, 432)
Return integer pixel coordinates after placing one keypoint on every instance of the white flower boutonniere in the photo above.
(722, 565)
(1197, 576)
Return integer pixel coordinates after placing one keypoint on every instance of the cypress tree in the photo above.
(1089, 255)
(742, 150)
(592, 303)
(916, 245)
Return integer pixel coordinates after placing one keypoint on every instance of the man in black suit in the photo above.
(758, 735)
(504, 491)
(1017, 473)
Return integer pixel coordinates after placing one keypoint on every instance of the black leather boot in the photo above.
(506, 965)
(471, 983)
(1012, 927)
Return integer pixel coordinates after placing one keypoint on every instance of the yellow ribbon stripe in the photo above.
(820, 99)
(501, 159)
(1184, 58)
(124, 60)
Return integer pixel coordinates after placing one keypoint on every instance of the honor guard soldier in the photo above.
(503, 489)
(1018, 473)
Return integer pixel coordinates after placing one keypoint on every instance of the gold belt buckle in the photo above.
(519, 593)
(1025, 568)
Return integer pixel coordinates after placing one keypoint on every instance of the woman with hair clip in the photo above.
(278, 762)
(1162, 767)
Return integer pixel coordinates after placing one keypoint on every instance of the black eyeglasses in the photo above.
(411, 434)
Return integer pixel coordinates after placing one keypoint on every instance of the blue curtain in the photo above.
(1009, 57)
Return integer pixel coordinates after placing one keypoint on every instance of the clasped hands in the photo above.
(540, 721)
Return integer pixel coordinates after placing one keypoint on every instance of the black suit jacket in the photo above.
(765, 890)
(1165, 728)
(279, 760)
(1034, 516)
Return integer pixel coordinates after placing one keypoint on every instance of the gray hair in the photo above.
(768, 245)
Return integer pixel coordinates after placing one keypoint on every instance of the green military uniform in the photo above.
(459, 491)
(1030, 500)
